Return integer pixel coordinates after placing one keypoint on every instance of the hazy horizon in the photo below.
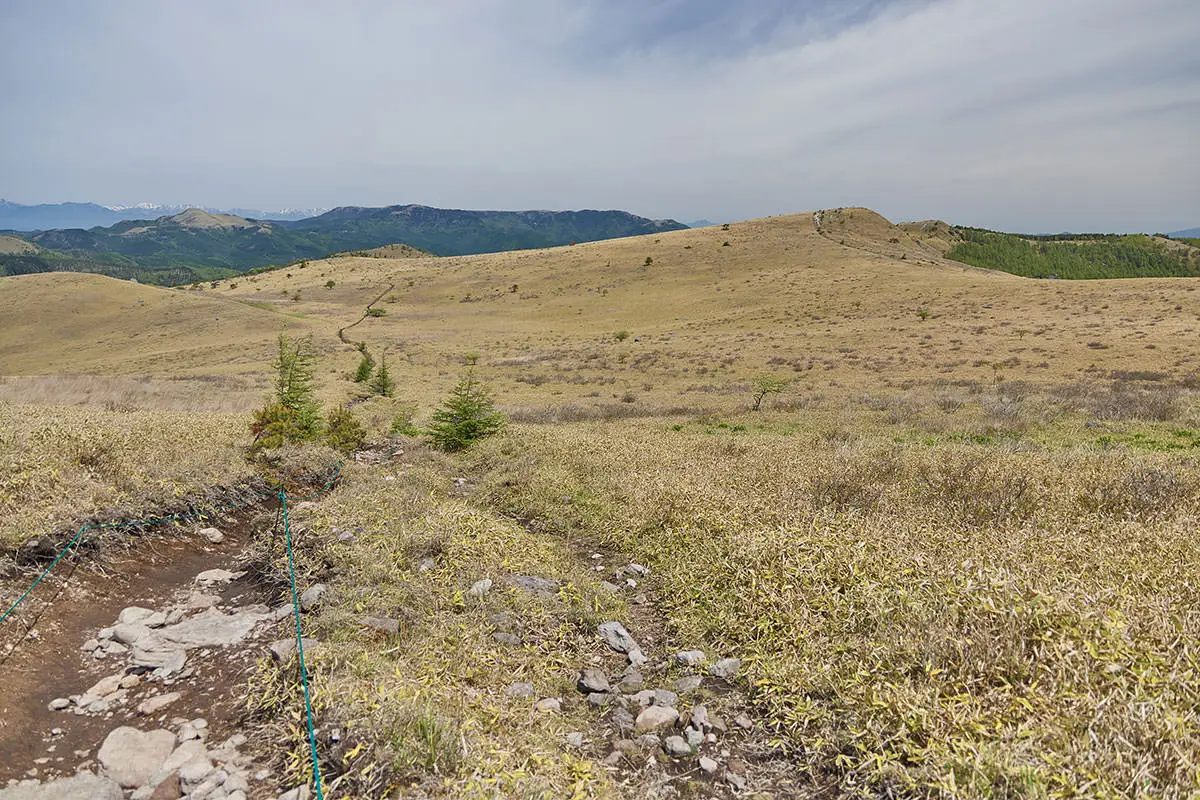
(1024, 116)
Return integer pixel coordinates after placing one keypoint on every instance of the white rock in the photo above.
(152, 705)
(708, 765)
(130, 632)
(84, 786)
(481, 587)
(130, 756)
(134, 614)
(689, 658)
(218, 576)
(195, 771)
(59, 703)
(655, 717)
(677, 746)
(211, 534)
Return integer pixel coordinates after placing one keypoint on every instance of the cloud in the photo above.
(1026, 114)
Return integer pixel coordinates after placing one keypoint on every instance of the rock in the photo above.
(694, 738)
(284, 649)
(202, 600)
(612, 759)
(640, 599)
(637, 658)
(311, 598)
(550, 705)
(735, 780)
(236, 783)
(153, 705)
(689, 658)
(592, 680)
(621, 719)
(218, 576)
(133, 615)
(597, 699)
(386, 625)
(84, 786)
(130, 681)
(744, 722)
(480, 588)
(154, 652)
(187, 733)
(195, 771)
(175, 615)
(677, 746)
(575, 739)
(519, 689)
(130, 632)
(211, 534)
(426, 565)
(299, 793)
(688, 683)
(90, 645)
(168, 788)
(616, 637)
(104, 633)
(612, 587)
(699, 719)
(725, 668)
(631, 680)
(708, 765)
(543, 587)
(510, 639)
(106, 686)
(181, 755)
(211, 629)
(112, 648)
(663, 697)
(655, 717)
(59, 703)
(130, 756)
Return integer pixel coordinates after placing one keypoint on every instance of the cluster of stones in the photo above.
(157, 764)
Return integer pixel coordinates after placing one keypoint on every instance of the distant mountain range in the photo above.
(45, 216)
(195, 244)
(1190, 233)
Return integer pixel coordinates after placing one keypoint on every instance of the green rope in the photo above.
(312, 734)
(45, 572)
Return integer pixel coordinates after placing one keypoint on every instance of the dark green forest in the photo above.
(1075, 256)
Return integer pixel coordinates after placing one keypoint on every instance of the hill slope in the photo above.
(834, 307)
(198, 245)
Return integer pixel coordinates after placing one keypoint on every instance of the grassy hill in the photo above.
(197, 245)
(955, 556)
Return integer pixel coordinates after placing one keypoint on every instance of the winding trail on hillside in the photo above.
(366, 313)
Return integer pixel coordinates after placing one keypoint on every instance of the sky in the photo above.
(1023, 115)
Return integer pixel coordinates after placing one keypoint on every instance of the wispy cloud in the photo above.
(1025, 114)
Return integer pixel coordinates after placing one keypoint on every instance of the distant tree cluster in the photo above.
(1072, 256)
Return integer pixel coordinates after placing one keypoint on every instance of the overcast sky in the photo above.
(1031, 115)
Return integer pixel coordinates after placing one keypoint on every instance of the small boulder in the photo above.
(211, 534)
(708, 765)
(574, 739)
(519, 689)
(284, 649)
(689, 658)
(654, 718)
(725, 668)
(677, 746)
(592, 680)
(218, 576)
(550, 705)
(130, 756)
(311, 598)
(130, 632)
(616, 637)
(152, 705)
(631, 680)
(59, 703)
(480, 588)
(386, 625)
(688, 683)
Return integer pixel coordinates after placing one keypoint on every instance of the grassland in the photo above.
(956, 554)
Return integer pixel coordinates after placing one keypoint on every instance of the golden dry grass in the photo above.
(922, 617)
(61, 464)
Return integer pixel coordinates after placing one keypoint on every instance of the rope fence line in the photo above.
(282, 496)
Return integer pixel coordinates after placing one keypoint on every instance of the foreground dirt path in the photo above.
(66, 641)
